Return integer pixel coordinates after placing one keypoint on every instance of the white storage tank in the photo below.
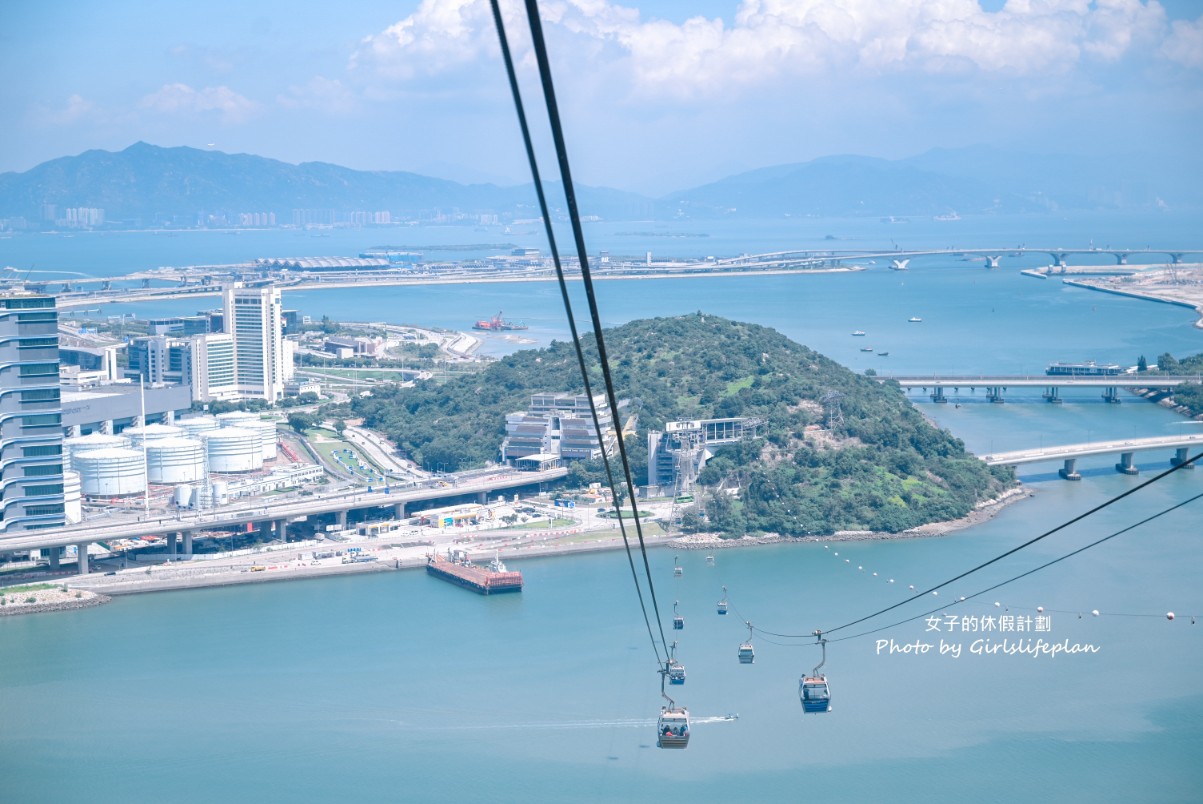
(182, 497)
(72, 501)
(220, 493)
(175, 460)
(233, 449)
(110, 472)
(197, 424)
(89, 442)
(267, 431)
(236, 418)
(150, 433)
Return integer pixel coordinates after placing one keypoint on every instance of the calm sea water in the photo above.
(399, 687)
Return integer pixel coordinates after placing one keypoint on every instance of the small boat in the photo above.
(883, 354)
(866, 348)
(858, 333)
(914, 319)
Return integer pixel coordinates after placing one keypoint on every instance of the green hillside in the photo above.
(884, 468)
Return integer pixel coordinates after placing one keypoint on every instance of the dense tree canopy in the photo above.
(884, 467)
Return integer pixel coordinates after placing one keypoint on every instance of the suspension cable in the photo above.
(1045, 565)
(534, 166)
(1028, 543)
(557, 131)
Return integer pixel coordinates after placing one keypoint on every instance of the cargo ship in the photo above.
(498, 324)
(458, 569)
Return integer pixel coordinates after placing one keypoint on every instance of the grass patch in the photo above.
(32, 587)
(736, 386)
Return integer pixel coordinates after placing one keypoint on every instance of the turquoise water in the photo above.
(399, 687)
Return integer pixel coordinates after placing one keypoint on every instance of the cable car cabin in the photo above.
(672, 730)
(676, 673)
(678, 622)
(722, 607)
(815, 694)
(678, 572)
(747, 654)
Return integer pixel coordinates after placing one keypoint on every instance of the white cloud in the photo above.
(76, 109)
(183, 99)
(320, 94)
(1184, 45)
(774, 40)
(440, 36)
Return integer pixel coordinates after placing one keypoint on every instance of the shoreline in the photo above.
(984, 512)
(412, 281)
(284, 570)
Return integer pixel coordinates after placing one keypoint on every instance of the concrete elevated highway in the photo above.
(996, 386)
(266, 514)
(900, 259)
(1125, 449)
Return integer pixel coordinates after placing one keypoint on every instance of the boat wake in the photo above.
(568, 725)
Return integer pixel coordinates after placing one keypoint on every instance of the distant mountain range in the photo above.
(146, 185)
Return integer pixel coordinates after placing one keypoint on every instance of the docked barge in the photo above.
(458, 569)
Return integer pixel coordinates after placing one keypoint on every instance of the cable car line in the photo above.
(1046, 534)
(532, 12)
(967, 598)
(1045, 565)
(557, 132)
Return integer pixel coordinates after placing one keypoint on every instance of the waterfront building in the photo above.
(561, 425)
(31, 430)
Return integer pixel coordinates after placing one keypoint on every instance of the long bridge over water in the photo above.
(199, 281)
(996, 386)
(1126, 449)
(900, 259)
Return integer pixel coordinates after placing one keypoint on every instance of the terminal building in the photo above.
(677, 455)
(559, 426)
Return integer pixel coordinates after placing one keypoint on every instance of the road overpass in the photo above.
(1126, 449)
(267, 514)
(996, 386)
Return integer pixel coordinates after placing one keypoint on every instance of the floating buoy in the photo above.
(1095, 612)
(1169, 615)
(835, 554)
(997, 604)
(934, 593)
(875, 575)
(862, 569)
(826, 547)
(1040, 609)
(961, 598)
(891, 580)
(911, 587)
(846, 561)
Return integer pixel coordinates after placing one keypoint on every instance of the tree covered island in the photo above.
(878, 465)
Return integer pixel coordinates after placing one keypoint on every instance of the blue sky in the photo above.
(656, 96)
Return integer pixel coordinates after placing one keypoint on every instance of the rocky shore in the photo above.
(38, 601)
(984, 511)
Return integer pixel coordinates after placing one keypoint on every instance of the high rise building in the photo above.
(254, 317)
(210, 367)
(31, 417)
